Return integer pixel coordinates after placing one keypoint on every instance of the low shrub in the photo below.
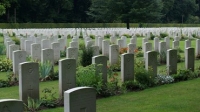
(92, 36)
(142, 76)
(163, 79)
(16, 40)
(183, 75)
(139, 53)
(152, 36)
(163, 35)
(45, 69)
(2, 49)
(127, 35)
(86, 56)
(107, 36)
(86, 76)
(5, 65)
(133, 86)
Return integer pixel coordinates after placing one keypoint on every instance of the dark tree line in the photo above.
(109, 11)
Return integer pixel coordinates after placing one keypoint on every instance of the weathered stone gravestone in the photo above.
(144, 40)
(100, 40)
(198, 47)
(187, 43)
(11, 49)
(127, 67)
(175, 44)
(162, 47)
(74, 44)
(62, 44)
(56, 50)
(113, 54)
(47, 55)
(28, 81)
(103, 61)
(28, 47)
(7, 40)
(131, 48)
(167, 40)
(105, 48)
(156, 44)
(8, 43)
(113, 40)
(172, 61)
(124, 38)
(36, 52)
(120, 43)
(151, 62)
(95, 50)
(147, 47)
(67, 75)
(72, 53)
(89, 43)
(133, 40)
(80, 99)
(11, 105)
(189, 58)
(18, 57)
(38, 40)
(45, 44)
(22, 41)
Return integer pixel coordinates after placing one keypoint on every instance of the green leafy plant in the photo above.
(139, 54)
(163, 79)
(133, 85)
(32, 105)
(107, 36)
(5, 65)
(45, 69)
(162, 57)
(63, 53)
(142, 76)
(16, 40)
(127, 35)
(2, 49)
(86, 56)
(92, 36)
(152, 36)
(163, 35)
(49, 100)
(183, 75)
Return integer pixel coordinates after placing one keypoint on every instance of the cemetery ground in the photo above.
(182, 96)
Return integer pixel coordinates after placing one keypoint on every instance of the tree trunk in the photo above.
(127, 24)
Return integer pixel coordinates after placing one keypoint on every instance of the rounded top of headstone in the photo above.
(78, 88)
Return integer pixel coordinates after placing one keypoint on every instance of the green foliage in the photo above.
(86, 56)
(5, 65)
(183, 75)
(163, 79)
(152, 36)
(33, 105)
(162, 57)
(163, 35)
(2, 49)
(45, 69)
(16, 40)
(92, 36)
(142, 76)
(49, 100)
(139, 54)
(133, 86)
(9, 81)
(86, 76)
(127, 35)
(107, 36)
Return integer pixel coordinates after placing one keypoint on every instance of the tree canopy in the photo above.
(64, 11)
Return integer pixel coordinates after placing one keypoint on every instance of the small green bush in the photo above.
(183, 75)
(16, 40)
(163, 79)
(107, 36)
(127, 35)
(132, 86)
(152, 36)
(45, 69)
(92, 36)
(163, 35)
(5, 65)
(142, 76)
(2, 49)
(139, 54)
(86, 56)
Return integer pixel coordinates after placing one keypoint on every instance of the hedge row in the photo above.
(89, 25)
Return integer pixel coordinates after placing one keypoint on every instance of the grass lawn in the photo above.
(178, 97)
